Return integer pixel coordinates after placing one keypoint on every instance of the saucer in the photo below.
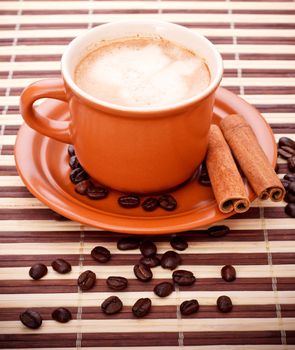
(42, 164)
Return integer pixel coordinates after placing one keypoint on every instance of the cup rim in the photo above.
(214, 83)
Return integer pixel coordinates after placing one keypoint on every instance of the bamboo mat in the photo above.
(257, 42)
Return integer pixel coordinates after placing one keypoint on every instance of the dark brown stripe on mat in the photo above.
(14, 192)
(266, 56)
(27, 285)
(40, 237)
(286, 283)
(232, 338)
(281, 235)
(283, 258)
(288, 310)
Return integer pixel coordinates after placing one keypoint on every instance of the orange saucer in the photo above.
(42, 163)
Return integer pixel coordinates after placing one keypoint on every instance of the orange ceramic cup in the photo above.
(131, 149)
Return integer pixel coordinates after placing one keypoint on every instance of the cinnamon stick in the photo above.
(253, 161)
(227, 184)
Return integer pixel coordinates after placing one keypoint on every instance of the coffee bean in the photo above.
(277, 168)
(74, 162)
(167, 202)
(128, 243)
(61, 266)
(286, 141)
(150, 204)
(112, 305)
(204, 177)
(218, 231)
(178, 243)
(284, 154)
(101, 254)
(117, 283)
(189, 307)
(142, 307)
(163, 289)
(224, 303)
(151, 261)
(291, 188)
(31, 319)
(38, 271)
(228, 273)
(77, 175)
(96, 192)
(143, 272)
(170, 260)
(86, 280)
(129, 201)
(290, 210)
(289, 177)
(82, 187)
(291, 164)
(183, 277)
(61, 315)
(71, 150)
(289, 197)
(285, 183)
(148, 248)
(289, 150)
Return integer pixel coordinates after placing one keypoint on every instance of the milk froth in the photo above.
(137, 72)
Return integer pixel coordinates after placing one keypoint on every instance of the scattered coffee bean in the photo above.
(112, 305)
(31, 319)
(290, 210)
(148, 248)
(129, 201)
(163, 289)
(150, 204)
(61, 266)
(284, 154)
(38, 271)
(117, 283)
(218, 231)
(178, 243)
(96, 192)
(170, 260)
(61, 315)
(204, 177)
(189, 307)
(285, 183)
(101, 254)
(71, 150)
(151, 261)
(289, 197)
(286, 141)
(86, 280)
(289, 177)
(74, 162)
(167, 202)
(291, 164)
(128, 243)
(224, 303)
(143, 272)
(82, 187)
(183, 277)
(142, 307)
(77, 175)
(289, 150)
(228, 273)
(291, 188)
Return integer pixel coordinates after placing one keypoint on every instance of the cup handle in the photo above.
(46, 88)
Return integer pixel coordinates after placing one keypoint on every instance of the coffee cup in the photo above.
(131, 148)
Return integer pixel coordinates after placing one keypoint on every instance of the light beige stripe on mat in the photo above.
(201, 271)
(172, 17)
(49, 225)
(221, 32)
(111, 5)
(128, 298)
(153, 325)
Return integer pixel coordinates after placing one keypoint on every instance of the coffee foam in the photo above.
(142, 72)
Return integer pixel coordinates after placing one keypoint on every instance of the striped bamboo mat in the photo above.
(257, 42)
